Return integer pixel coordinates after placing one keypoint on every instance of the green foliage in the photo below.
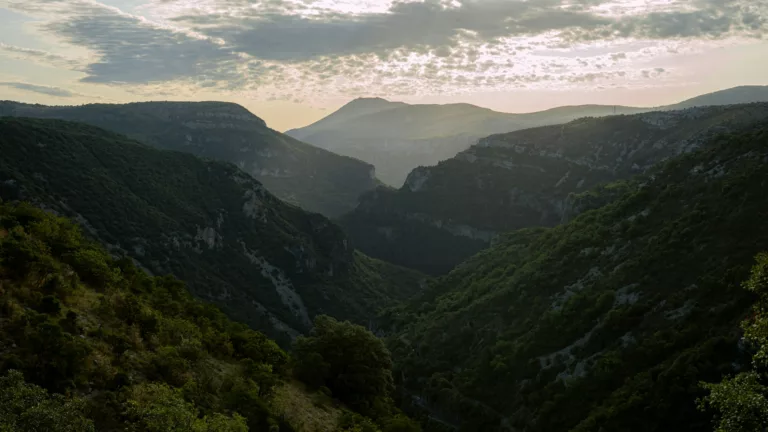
(608, 321)
(741, 402)
(27, 407)
(159, 408)
(349, 360)
(353, 422)
(133, 352)
(446, 213)
(208, 223)
(315, 179)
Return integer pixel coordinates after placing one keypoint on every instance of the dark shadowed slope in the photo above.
(266, 262)
(607, 322)
(533, 177)
(313, 178)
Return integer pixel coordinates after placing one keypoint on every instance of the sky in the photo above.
(292, 62)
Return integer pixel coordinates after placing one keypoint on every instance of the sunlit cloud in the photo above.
(300, 50)
(42, 89)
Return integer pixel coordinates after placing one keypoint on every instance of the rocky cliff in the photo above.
(265, 262)
(533, 177)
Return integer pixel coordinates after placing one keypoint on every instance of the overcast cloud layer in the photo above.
(309, 49)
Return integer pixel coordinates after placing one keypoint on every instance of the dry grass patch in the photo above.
(306, 411)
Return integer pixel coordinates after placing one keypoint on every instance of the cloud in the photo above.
(431, 25)
(260, 48)
(410, 27)
(46, 90)
(40, 56)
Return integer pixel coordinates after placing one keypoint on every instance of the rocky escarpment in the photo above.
(533, 177)
(312, 178)
(397, 137)
(607, 322)
(265, 262)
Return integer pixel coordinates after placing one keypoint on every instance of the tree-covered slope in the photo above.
(265, 262)
(103, 346)
(607, 322)
(313, 178)
(93, 343)
(534, 177)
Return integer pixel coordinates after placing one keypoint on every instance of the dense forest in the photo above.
(609, 321)
(313, 178)
(269, 264)
(89, 342)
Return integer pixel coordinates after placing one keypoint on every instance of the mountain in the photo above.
(312, 178)
(607, 322)
(92, 343)
(397, 137)
(534, 177)
(266, 263)
(734, 96)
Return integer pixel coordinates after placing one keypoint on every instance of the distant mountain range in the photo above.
(396, 137)
(269, 264)
(310, 177)
(534, 177)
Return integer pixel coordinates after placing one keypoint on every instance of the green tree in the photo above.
(29, 408)
(741, 402)
(348, 359)
(159, 408)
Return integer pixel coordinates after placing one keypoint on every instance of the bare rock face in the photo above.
(267, 263)
(534, 177)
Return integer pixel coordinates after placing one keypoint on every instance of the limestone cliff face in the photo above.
(533, 177)
(265, 262)
(310, 177)
(608, 321)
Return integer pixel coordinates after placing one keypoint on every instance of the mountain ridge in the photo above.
(316, 179)
(533, 177)
(265, 262)
(400, 138)
(606, 322)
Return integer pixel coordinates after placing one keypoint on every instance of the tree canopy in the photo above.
(741, 401)
(348, 359)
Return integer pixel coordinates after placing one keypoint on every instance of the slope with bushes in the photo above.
(607, 322)
(129, 351)
(89, 342)
(535, 177)
(267, 263)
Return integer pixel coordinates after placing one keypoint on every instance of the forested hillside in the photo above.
(607, 322)
(91, 343)
(310, 177)
(534, 177)
(265, 262)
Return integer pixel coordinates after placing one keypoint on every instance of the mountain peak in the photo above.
(370, 104)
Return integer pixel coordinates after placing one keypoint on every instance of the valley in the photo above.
(267, 263)
(396, 137)
(538, 177)
(180, 266)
